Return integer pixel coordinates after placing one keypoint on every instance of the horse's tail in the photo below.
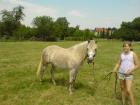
(40, 69)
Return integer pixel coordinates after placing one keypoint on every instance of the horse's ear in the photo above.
(88, 41)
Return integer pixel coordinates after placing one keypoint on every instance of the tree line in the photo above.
(129, 30)
(45, 28)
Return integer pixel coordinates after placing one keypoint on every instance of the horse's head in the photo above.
(91, 50)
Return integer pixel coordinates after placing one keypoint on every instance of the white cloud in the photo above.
(76, 17)
(76, 13)
(31, 10)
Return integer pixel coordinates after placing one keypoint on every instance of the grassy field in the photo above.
(19, 86)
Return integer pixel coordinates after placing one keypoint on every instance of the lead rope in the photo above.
(108, 76)
(116, 79)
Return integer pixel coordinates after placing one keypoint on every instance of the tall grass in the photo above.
(19, 86)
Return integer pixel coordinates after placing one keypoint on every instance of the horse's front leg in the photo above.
(52, 74)
(72, 78)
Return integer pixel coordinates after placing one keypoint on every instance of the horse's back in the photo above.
(53, 48)
(59, 56)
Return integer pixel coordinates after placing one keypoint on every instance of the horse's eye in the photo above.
(95, 50)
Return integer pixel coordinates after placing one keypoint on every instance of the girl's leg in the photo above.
(129, 91)
(123, 90)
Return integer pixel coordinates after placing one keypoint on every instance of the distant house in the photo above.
(105, 31)
(99, 31)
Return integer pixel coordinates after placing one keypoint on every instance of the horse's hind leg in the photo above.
(52, 74)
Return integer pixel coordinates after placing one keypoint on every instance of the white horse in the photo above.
(70, 58)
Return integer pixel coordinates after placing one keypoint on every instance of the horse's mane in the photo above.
(78, 46)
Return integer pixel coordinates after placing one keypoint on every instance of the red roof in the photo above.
(101, 30)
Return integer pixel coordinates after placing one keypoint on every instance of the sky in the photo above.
(85, 13)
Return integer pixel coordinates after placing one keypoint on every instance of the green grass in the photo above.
(19, 86)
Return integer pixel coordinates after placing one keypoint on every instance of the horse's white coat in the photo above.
(70, 58)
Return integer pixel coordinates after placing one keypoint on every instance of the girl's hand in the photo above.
(129, 72)
(114, 71)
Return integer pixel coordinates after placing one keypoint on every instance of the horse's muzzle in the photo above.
(90, 61)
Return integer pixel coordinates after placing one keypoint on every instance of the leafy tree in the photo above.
(129, 30)
(1, 29)
(136, 24)
(8, 22)
(61, 27)
(11, 20)
(71, 31)
(44, 25)
(79, 34)
(18, 14)
(24, 33)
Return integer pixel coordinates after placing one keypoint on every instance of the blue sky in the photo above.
(86, 13)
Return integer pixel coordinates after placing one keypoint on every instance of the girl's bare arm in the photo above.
(136, 62)
(117, 65)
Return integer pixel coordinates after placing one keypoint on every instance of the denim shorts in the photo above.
(124, 77)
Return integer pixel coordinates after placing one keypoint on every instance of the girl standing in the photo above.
(125, 67)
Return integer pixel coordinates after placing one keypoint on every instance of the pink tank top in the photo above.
(127, 62)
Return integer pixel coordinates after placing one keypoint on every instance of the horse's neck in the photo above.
(80, 50)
